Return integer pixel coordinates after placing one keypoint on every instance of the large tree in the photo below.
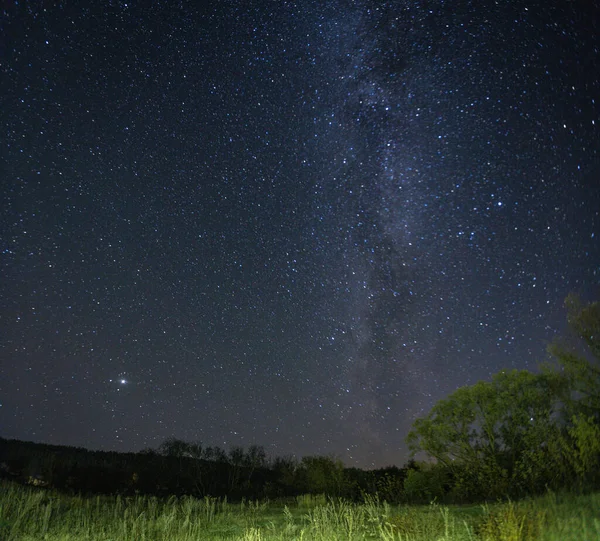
(521, 431)
(482, 433)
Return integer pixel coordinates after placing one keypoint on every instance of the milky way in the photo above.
(295, 225)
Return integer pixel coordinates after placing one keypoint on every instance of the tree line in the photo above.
(181, 468)
(519, 434)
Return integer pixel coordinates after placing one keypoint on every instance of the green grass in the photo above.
(31, 514)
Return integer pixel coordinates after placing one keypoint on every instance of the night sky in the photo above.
(296, 225)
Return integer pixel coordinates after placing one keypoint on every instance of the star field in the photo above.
(296, 225)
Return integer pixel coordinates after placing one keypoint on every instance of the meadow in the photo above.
(34, 514)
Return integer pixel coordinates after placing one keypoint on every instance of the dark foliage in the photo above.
(179, 468)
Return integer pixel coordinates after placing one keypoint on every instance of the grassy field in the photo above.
(31, 514)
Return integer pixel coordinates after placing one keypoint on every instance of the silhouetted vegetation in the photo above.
(181, 468)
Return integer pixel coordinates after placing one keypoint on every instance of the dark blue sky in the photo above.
(290, 224)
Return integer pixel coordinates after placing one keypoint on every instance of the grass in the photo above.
(28, 514)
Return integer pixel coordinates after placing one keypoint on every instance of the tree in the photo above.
(256, 457)
(426, 482)
(580, 365)
(322, 475)
(585, 451)
(522, 432)
(482, 433)
(285, 468)
(236, 463)
(174, 447)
